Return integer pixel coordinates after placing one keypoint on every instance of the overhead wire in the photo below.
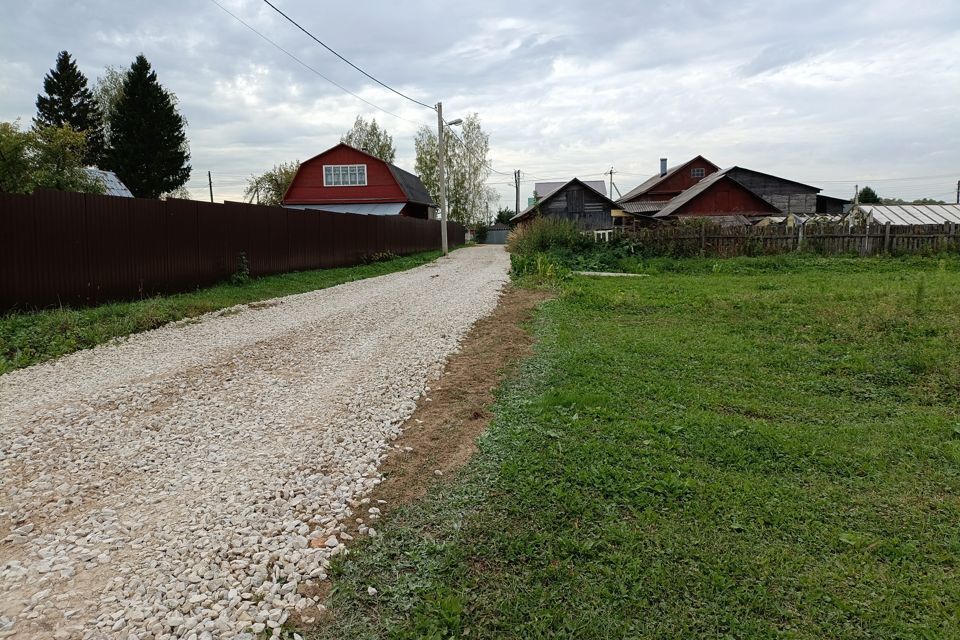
(331, 50)
(310, 68)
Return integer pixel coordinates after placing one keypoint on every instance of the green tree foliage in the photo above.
(50, 156)
(917, 201)
(148, 145)
(504, 214)
(467, 170)
(269, 187)
(369, 137)
(868, 196)
(67, 101)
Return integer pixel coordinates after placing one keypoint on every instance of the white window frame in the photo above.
(698, 172)
(344, 175)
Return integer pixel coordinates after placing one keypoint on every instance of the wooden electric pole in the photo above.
(210, 182)
(516, 182)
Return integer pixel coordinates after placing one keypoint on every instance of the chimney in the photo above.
(663, 167)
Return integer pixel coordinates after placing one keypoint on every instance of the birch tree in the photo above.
(467, 170)
(369, 137)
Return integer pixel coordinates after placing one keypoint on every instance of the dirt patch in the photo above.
(441, 435)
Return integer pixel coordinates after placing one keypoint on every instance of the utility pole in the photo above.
(516, 182)
(611, 182)
(443, 180)
(958, 191)
(210, 182)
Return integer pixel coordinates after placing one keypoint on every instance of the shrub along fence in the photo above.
(59, 248)
(825, 239)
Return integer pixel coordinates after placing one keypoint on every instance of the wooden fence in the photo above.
(825, 239)
(60, 248)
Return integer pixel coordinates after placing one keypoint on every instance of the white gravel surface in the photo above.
(192, 482)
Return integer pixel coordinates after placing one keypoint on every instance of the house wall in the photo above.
(307, 186)
(785, 195)
(725, 198)
(414, 210)
(680, 181)
(593, 215)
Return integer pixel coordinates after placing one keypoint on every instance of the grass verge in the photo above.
(770, 452)
(29, 338)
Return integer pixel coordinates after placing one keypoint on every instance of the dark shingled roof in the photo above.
(412, 186)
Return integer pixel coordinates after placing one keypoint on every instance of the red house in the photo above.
(348, 180)
(695, 188)
(671, 182)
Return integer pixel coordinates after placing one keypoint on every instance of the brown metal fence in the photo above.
(824, 239)
(59, 248)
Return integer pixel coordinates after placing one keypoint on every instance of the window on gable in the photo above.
(344, 175)
(697, 172)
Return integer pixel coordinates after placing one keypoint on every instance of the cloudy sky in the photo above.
(824, 91)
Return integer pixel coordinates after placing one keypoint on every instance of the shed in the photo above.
(589, 209)
(906, 214)
(348, 180)
(497, 234)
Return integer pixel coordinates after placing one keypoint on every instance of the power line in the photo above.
(486, 163)
(309, 68)
(325, 46)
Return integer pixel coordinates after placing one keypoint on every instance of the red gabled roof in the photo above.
(701, 190)
(651, 183)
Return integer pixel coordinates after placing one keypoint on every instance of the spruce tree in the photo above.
(148, 146)
(68, 102)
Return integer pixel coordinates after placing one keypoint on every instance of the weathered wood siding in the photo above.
(582, 205)
(789, 197)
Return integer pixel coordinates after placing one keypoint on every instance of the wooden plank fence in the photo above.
(59, 248)
(824, 239)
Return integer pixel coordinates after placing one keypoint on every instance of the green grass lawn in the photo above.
(751, 448)
(29, 338)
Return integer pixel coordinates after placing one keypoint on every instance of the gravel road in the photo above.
(192, 482)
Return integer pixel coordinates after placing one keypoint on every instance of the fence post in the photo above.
(886, 237)
(703, 237)
(800, 229)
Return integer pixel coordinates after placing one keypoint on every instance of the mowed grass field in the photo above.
(750, 448)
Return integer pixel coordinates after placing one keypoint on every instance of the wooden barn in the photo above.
(718, 195)
(787, 195)
(348, 180)
(576, 201)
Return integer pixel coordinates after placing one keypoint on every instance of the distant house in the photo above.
(348, 180)
(717, 195)
(577, 201)
(736, 193)
(541, 188)
(112, 185)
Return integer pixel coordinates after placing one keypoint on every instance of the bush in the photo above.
(546, 235)
(541, 267)
(480, 233)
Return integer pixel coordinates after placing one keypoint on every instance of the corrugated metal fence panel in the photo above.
(108, 247)
(78, 249)
(183, 244)
(18, 277)
(61, 248)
